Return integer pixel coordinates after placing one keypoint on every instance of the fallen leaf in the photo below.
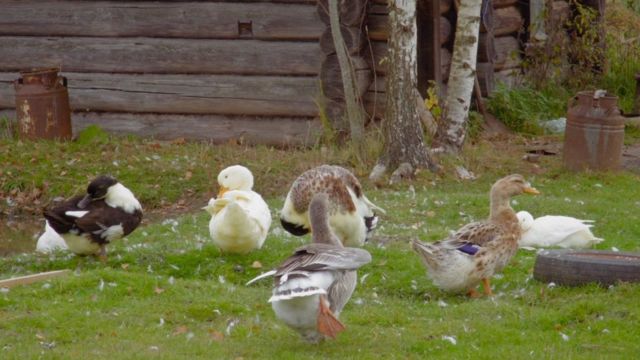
(188, 175)
(256, 265)
(124, 266)
(40, 336)
(431, 213)
(182, 329)
(216, 335)
(158, 290)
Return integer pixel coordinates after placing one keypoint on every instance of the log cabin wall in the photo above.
(223, 70)
(212, 70)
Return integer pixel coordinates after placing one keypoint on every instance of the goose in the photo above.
(108, 211)
(313, 285)
(351, 214)
(477, 250)
(555, 230)
(50, 240)
(240, 218)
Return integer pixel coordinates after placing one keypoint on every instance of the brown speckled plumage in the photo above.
(331, 180)
(452, 263)
(351, 214)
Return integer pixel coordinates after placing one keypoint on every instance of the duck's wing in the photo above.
(477, 234)
(105, 223)
(323, 257)
(61, 217)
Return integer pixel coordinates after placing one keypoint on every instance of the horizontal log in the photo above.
(185, 94)
(508, 53)
(146, 55)
(354, 39)
(376, 54)
(218, 129)
(507, 21)
(331, 77)
(378, 26)
(503, 3)
(160, 19)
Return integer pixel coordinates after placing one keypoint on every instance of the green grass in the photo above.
(167, 292)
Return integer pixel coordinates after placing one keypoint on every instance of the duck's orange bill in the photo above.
(222, 191)
(531, 190)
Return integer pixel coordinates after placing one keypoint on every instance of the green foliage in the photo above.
(92, 134)
(8, 129)
(521, 108)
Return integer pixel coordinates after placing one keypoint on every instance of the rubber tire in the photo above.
(577, 267)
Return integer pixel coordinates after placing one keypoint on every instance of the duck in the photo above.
(313, 285)
(480, 249)
(351, 215)
(555, 230)
(50, 240)
(107, 212)
(240, 218)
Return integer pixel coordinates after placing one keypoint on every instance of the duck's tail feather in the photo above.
(425, 251)
(260, 277)
(372, 205)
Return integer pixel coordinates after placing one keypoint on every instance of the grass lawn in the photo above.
(167, 292)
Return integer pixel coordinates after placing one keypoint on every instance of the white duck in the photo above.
(314, 284)
(554, 230)
(240, 218)
(351, 214)
(50, 240)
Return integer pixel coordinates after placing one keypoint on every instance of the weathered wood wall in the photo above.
(216, 70)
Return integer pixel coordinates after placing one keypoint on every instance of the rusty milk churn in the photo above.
(595, 132)
(42, 105)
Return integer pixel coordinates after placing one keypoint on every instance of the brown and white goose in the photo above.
(313, 285)
(480, 249)
(351, 214)
(109, 211)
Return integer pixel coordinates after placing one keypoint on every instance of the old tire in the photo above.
(577, 267)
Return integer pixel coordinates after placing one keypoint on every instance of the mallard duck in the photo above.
(477, 250)
(351, 214)
(554, 230)
(240, 218)
(109, 211)
(50, 240)
(313, 285)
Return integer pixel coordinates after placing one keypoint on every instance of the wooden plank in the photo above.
(507, 21)
(159, 19)
(375, 60)
(275, 131)
(486, 79)
(508, 53)
(146, 55)
(503, 3)
(185, 94)
(29, 279)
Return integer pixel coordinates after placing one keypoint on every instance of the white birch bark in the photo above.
(451, 134)
(404, 146)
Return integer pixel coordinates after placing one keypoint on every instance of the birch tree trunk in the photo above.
(452, 131)
(354, 110)
(404, 147)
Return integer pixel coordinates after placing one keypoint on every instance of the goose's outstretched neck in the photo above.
(319, 218)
